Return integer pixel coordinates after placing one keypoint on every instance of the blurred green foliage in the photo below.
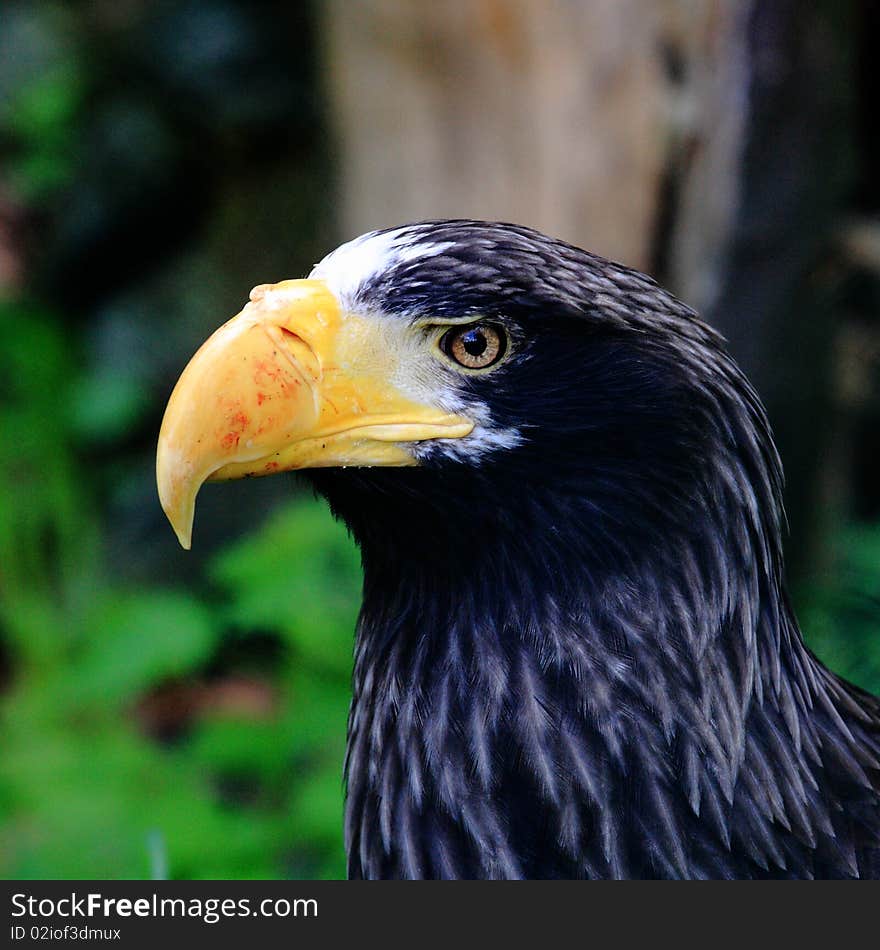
(153, 724)
(41, 119)
(248, 785)
(841, 617)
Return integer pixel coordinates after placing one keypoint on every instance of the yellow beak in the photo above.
(290, 382)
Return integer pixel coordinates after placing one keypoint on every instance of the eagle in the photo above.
(575, 656)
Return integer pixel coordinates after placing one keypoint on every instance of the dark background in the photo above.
(178, 714)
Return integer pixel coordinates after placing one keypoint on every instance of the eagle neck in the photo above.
(520, 710)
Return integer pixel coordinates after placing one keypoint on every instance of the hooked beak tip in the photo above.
(178, 500)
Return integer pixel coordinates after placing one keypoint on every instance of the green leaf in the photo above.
(300, 574)
(139, 639)
(104, 406)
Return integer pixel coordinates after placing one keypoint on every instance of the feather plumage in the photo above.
(575, 656)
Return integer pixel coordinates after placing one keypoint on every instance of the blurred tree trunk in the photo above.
(704, 141)
(776, 301)
(548, 114)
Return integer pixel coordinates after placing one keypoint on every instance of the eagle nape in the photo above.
(575, 656)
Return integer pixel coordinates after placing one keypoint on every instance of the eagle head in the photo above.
(491, 361)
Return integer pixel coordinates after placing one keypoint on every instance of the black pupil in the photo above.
(474, 342)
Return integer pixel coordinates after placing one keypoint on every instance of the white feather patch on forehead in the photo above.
(355, 263)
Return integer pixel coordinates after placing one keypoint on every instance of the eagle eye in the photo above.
(477, 346)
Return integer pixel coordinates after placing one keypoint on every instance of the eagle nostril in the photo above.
(297, 351)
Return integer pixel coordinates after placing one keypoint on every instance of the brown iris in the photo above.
(477, 346)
